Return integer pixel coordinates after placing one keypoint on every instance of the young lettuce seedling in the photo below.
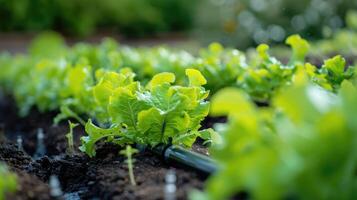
(128, 152)
(69, 137)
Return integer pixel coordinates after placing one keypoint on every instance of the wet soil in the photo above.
(102, 177)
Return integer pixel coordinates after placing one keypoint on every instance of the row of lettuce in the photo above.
(301, 144)
(260, 74)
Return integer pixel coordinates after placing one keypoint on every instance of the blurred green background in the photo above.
(84, 17)
(237, 23)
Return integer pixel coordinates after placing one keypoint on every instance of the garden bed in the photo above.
(272, 127)
(104, 177)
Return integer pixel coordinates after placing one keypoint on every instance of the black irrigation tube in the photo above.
(174, 154)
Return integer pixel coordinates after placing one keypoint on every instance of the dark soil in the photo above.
(81, 177)
(29, 185)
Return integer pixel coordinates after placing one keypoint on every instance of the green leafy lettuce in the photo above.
(158, 113)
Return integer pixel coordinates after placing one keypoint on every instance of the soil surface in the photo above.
(102, 177)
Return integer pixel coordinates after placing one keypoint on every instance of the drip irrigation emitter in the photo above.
(19, 142)
(170, 185)
(55, 187)
(174, 154)
(41, 148)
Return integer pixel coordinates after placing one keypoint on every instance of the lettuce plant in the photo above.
(266, 75)
(157, 113)
(262, 79)
(220, 66)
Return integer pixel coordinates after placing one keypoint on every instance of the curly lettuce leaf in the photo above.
(195, 77)
(95, 134)
(299, 46)
(334, 71)
(124, 107)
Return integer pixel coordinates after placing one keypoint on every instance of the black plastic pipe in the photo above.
(182, 156)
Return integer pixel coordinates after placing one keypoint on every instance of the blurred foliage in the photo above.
(7, 181)
(242, 23)
(79, 17)
(303, 147)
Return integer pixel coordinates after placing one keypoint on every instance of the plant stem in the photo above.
(131, 171)
(163, 129)
(128, 152)
(69, 137)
